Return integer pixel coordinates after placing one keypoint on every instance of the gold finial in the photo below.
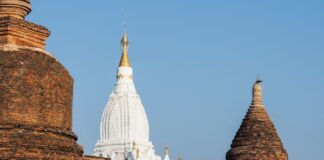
(124, 61)
(166, 150)
(257, 92)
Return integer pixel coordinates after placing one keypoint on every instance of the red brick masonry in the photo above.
(35, 107)
(257, 138)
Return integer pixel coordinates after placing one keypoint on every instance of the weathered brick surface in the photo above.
(31, 143)
(36, 90)
(35, 108)
(22, 33)
(257, 138)
(15, 8)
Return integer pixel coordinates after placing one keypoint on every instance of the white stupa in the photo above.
(124, 128)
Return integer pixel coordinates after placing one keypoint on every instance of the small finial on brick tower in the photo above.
(15, 8)
(257, 93)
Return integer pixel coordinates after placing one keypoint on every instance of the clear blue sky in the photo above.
(195, 63)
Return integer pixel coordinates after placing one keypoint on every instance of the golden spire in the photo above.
(124, 61)
(166, 150)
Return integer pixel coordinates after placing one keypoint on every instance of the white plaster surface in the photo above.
(124, 122)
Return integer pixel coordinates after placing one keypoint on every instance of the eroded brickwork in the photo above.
(95, 158)
(257, 138)
(22, 33)
(36, 107)
(36, 90)
(37, 143)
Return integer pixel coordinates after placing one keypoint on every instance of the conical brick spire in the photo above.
(257, 138)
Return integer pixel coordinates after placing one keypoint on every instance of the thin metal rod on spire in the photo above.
(125, 22)
(258, 79)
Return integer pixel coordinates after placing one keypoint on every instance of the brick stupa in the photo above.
(35, 92)
(257, 138)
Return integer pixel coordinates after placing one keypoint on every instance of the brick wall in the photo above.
(35, 108)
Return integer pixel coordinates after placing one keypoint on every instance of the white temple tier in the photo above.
(124, 123)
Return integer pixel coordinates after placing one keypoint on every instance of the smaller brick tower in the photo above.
(257, 138)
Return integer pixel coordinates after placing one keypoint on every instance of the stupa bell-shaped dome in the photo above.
(124, 117)
(124, 121)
